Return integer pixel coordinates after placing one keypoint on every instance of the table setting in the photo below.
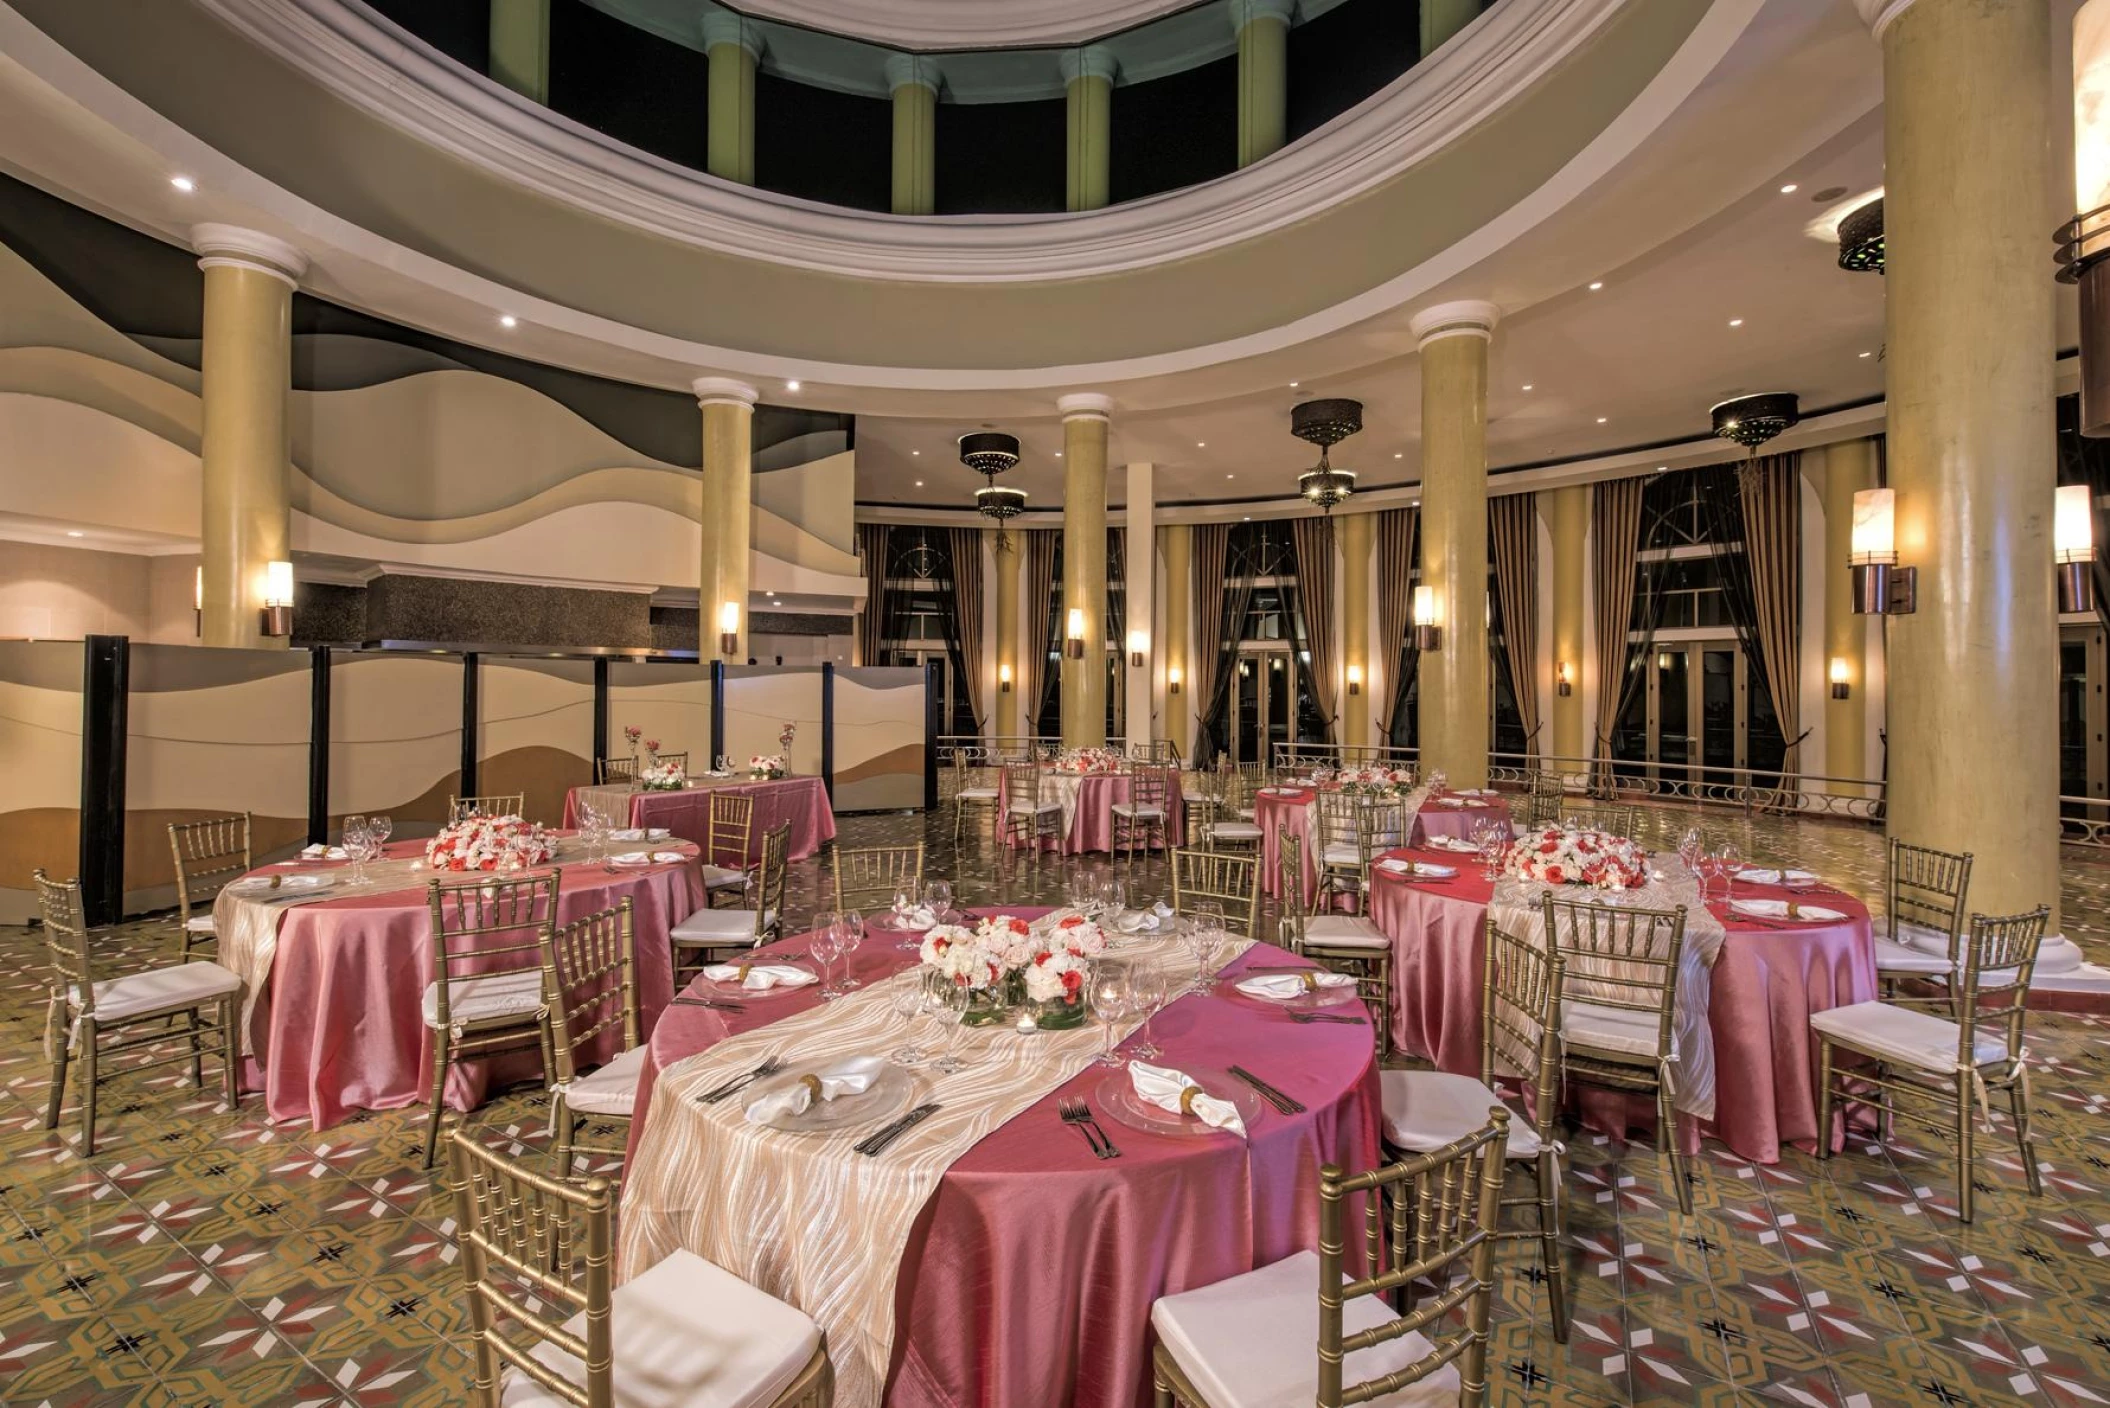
(681, 807)
(1087, 788)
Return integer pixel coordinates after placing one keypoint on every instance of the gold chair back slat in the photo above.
(1549, 793)
(617, 770)
(1226, 877)
(730, 831)
(491, 804)
(1999, 962)
(480, 921)
(1150, 787)
(1023, 782)
(590, 980)
(770, 877)
(1614, 818)
(1617, 956)
(869, 877)
(1926, 887)
(66, 938)
(208, 854)
(1521, 1021)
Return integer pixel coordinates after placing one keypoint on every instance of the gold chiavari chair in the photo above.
(1939, 1062)
(1343, 943)
(1549, 794)
(1230, 819)
(1249, 1340)
(1031, 816)
(95, 1016)
(969, 792)
(616, 770)
(869, 878)
(1144, 821)
(1250, 778)
(551, 1327)
(589, 976)
(1520, 1043)
(1923, 902)
(486, 994)
(728, 832)
(706, 933)
(208, 854)
(1232, 881)
(680, 760)
(492, 804)
(1618, 1006)
(1613, 818)
(1354, 830)
(1158, 752)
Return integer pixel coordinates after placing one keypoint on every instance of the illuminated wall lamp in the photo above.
(1563, 679)
(2073, 546)
(1427, 634)
(1073, 634)
(278, 599)
(1003, 678)
(1880, 586)
(1138, 646)
(1172, 680)
(1355, 679)
(1840, 688)
(729, 629)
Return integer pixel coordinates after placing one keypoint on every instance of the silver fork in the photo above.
(1073, 1114)
(740, 1083)
(1091, 1122)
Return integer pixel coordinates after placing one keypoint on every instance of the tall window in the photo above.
(1048, 720)
(1264, 667)
(922, 611)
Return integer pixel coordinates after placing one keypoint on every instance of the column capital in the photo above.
(1092, 61)
(912, 70)
(723, 391)
(1244, 12)
(1878, 14)
(1092, 405)
(233, 247)
(725, 27)
(1471, 317)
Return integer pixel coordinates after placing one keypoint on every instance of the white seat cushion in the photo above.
(1025, 808)
(611, 1090)
(1896, 958)
(1236, 831)
(487, 999)
(976, 794)
(1341, 853)
(1141, 813)
(1923, 938)
(714, 927)
(1252, 1341)
(201, 924)
(1245, 813)
(1904, 1035)
(1344, 931)
(1600, 1028)
(719, 877)
(686, 1335)
(158, 990)
(1426, 1110)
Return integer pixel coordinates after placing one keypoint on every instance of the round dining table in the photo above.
(1028, 1273)
(1289, 812)
(1768, 978)
(686, 811)
(332, 988)
(1088, 807)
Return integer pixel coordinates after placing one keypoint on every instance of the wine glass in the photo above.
(937, 894)
(353, 839)
(849, 933)
(1113, 899)
(904, 904)
(826, 944)
(1689, 846)
(1149, 986)
(379, 827)
(910, 1000)
(949, 1004)
(1111, 997)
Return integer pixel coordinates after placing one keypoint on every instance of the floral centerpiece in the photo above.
(632, 733)
(489, 843)
(1088, 761)
(662, 777)
(1375, 779)
(769, 766)
(1594, 858)
(1006, 961)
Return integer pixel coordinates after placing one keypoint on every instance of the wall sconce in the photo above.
(278, 599)
(198, 602)
(729, 628)
(1073, 634)
(1355, 679)
(1138, 644)
(1663, 659)
(1172, 680)
(1003, 678)
(1840, 688)
(1881, 587)
(1563, 681)
(2073, 546)
(1427, 634)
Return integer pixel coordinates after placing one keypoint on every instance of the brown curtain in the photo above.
(1615, 531)
(1512, 532)
(1040, 586)
(1395, 604)
(1313, 540)
(872, 543)
(1771, 490)
(966, 546)
(1212, 552)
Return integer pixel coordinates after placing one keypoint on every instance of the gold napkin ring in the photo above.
(1187, 1099)
(812, 1083)
(744, 969)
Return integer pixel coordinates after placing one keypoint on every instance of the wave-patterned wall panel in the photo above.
(535, 731)
(669, 702)
(879, 738)
(212, 733)
(395, 738)
(40, 758)
(759, 702)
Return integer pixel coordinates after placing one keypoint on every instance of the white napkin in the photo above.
(631, 858)
(1758, 876)
(921, 917)
(1456, 844)
(1785, 909)
(1288, 985)
(1137, 921)
(1450, 801)
(1417, 867)
(627, 833)
(1162, 910)
(759, 977)
(323, 853)
(1167, 1089)
(853, 1075)
(1476, 791)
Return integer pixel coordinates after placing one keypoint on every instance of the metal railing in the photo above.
(2085, 821)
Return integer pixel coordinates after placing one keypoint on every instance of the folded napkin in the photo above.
(1456, 844)
(1176, 1090)
(759, 977)
(1785, 909)
(853, 1075)
(1757, 876)
(627, 833)
(1288, 985)
(324, 853)
(1137, 921)
(1450, 801)
(1476, 791)
(1417, 867)
(921, 917)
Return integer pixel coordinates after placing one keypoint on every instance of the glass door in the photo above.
(1692, 722)
(2083, 756)
(1263, 702)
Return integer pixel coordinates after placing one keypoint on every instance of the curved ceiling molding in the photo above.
(961, 24)
(401, 81)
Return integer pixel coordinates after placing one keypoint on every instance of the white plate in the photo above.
(1117, 1098)
(308, 883)
(736, 991)
(1303, 999)
(891, 1093)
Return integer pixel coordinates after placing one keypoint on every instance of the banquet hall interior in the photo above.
(980, 704)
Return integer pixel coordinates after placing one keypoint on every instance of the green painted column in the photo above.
(520, 46)
(734, 47)
(1440, 19)
(1086, 419)
(1263, 75)
(913, 80)
(1088, 78)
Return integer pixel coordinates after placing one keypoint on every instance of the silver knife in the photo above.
(877, 1143)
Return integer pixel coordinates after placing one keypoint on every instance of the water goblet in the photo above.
(849, 934)
(1110, 994)
(904, 905)
(353, 839)
(1689, 847)
(949, 1007)
(937, 894)
(1150, 988)
(381, 826)
(1113, 899)
(910, 1001)
(825, 943)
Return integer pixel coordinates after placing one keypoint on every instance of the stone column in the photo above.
(1085, 420)
(1263, 75)
(734, 46)
(1179, 652)
(728, 511)
(1454, 678)
(246, 371)
(1849, 465)
(913, 80)
(1088, 79)
(1568, 522)
(1972, 705)
(1357, 535)
(520, 46)
(1139, 582)
(1440, 19)
(1010, 559)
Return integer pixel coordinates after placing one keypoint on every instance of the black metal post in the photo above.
(933, 728)
(105, 684)
(600, 714)
(319, 746)
(471, 710)
(718, 710)
(827, 730)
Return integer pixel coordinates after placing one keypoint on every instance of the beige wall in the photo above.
(66, 593)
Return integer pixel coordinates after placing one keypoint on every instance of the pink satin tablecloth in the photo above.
(1031, 1271)
(1763, 988)
(1285, 815)
(341, 1019)
(1092, 826)
(802, 801)
(1437, 819)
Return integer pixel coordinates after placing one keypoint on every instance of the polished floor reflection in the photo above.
(206, 1257)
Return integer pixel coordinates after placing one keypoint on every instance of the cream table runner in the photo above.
(804, 1216)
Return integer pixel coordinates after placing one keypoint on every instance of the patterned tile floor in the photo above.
(204, 1256)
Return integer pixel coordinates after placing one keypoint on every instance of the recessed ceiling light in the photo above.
(1597, 285)
(1293, 385)
(1527, 386)
(1201, 444)
(791, 386)
(1413, 503)
(1866, 354)
(75, 533)
(1230, 476)
(1058, 454)
(507, 320)
(183, 184)
(919, 483)
(1249, 518)
(1600, 420)
(1736, 322)
(1399, 454)
(1788, 189)
(1661, 467)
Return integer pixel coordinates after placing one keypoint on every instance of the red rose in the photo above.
(1555, 875)
(1547, 848)
(1019, 926)
(1070, 921)
(1072, 981)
